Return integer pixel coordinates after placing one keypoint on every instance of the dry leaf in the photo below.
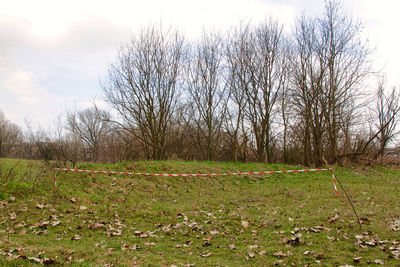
(245, 224)
(378, 261)
(205, 254)
(395, 225)
(262, 253)
(96, 226)
(357, 259)
(40, 206)
(320, 256)
(83, 207)
(13, 216)
(396, 254)
(37, 260)
(149, 243)
(117, 233)
(55, 223)
(251, 254)
(48, 261)
(334, 218)
(364, 220)
(280, 254)
(232, 246)
(76, 237)
(214, 232)
(73, 200)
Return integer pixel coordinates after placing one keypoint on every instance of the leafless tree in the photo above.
(346, 57)
(265, 75)
(206, 91)
(90, 125)
(142, 86)
(237, 81)
(53, 146)
(386, 113)
(10, 136)
(307, 89)
(331, 62)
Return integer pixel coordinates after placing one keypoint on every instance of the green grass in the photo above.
(164, 221)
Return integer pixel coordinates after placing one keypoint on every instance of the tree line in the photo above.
(254, 93)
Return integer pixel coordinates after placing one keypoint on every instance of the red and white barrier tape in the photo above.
(194, 174)
(189, 174)
(334, 182)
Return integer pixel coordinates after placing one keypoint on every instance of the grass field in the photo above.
(117, 220)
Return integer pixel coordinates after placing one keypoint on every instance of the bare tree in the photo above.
(265, 75)
(386, 113)
(331, 62)
(53, 146)
(142, 86)
(90, 125)
(346, 58)
(236, 77)
(206, 91)
(307, 89)
(10, 136)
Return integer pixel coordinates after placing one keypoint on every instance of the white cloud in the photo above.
(22, 85)
(53, 53)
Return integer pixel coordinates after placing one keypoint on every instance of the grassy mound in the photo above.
(258, 220)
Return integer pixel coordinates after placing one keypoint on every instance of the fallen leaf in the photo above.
(357, 259)
(262, 253)
(364, 220)
(40, 206)
(76, 237)
(117, 233)
(13, 216)
(83, 207)
(396, 254)
(245, 224)
(48, 261)
(96, 226)
(251, 254)
(214, 232)
(206, 244)
(395, 225)
(334, 218)
(232, 246)
(149, 243)
(37, 260)
(205, 254)
(55, 223)
(320, 256)
(280, 254)
(73, 200)
(378, 261)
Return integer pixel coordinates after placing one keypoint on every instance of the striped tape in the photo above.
(334, 183)
(188, 174)
(194, 174)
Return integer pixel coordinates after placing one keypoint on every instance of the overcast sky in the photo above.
(53, 53)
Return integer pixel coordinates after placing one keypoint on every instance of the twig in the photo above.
(345, 192)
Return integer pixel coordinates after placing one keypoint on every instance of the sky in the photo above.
(54, 53)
